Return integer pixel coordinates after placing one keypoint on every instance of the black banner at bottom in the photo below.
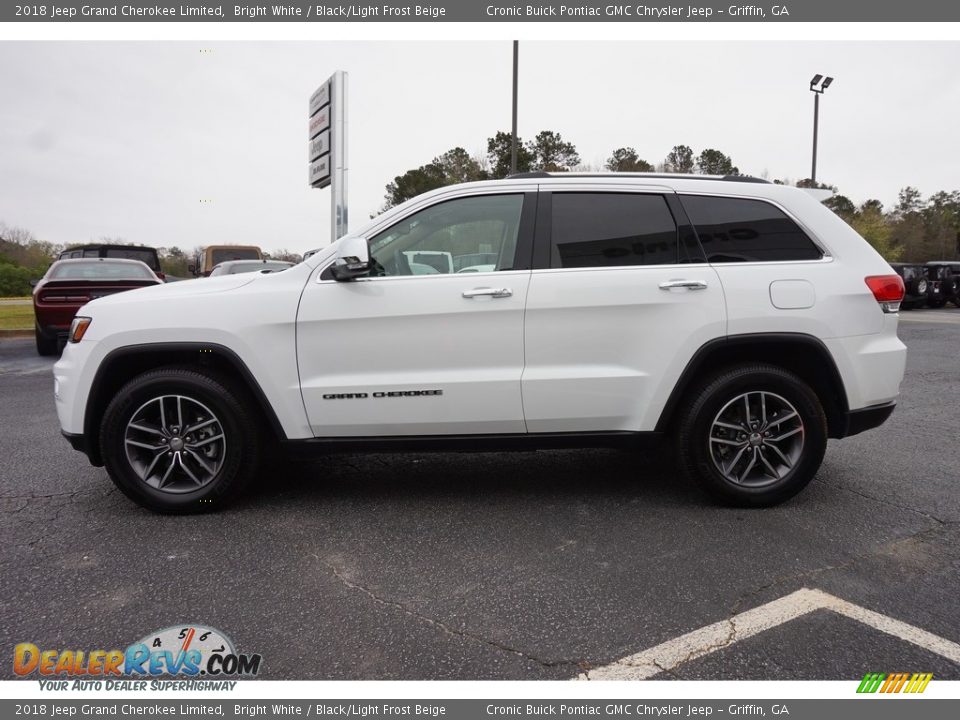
(872, 707)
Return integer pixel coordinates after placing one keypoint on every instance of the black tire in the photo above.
(696, 452)
(45, 346)
(232, 468)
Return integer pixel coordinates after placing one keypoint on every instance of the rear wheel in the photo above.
(45, 346)
(752, 436)
(180, 441)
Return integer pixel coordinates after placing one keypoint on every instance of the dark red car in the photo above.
(68, 285)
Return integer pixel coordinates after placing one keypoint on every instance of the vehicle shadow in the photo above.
(650, 474)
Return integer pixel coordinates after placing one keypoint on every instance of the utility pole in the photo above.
(513, 137)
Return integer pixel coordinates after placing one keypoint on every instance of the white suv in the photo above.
(741, 319)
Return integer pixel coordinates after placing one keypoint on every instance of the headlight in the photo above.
(78, 328)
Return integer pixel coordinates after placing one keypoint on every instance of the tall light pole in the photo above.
(513, 136)
(817, 85)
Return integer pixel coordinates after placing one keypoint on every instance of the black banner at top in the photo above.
(482, 11)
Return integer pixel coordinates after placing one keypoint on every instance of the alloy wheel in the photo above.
(175, 444)
(756, 439)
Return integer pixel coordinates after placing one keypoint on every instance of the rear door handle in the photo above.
(488, 292)
(688, 284)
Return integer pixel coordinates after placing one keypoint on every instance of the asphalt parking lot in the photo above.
(543, 565)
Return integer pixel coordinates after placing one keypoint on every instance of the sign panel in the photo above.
(319, 122)
(320, 172)
(320, 98)
(327, 147)
(319, 145)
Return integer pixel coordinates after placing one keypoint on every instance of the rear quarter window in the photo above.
(746, 230)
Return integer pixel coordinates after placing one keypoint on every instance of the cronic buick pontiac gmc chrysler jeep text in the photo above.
(742, 320)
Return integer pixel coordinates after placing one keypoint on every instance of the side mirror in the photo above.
(352, 260)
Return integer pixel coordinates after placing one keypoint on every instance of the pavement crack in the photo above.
(49, 496)
(882, 501)
(443, 627)
(857, 558)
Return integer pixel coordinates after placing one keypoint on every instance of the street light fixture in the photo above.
(817, 85)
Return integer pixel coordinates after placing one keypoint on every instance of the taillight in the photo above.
(887, 289)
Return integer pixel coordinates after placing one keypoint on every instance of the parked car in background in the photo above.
(235, 267)
(68, 285)
(944, 277)
(209, 257)
(941, 283)
(143, 253)
(915, 283)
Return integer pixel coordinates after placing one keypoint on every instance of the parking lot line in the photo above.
(723, 634)
(932, 316)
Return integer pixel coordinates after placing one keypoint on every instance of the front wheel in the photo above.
(180, 441)
(752, 436)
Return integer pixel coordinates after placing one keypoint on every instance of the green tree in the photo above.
(714, 162)
(842, 206)
(498, 155)
(874, 227)
(459, 167)
(941, 219)
(551, 153)
(909, 200)
(808, 183)
(625, 159)
(174, 261)
(679, 160)
(412, 183)
(453, 166)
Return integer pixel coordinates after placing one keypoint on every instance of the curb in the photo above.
(14, 334)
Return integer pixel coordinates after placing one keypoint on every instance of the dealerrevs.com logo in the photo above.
(188, 650)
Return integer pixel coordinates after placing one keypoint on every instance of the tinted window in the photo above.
(100, 270)
(144, 255)
(147, 256)
(225, 254)
(468, 235)
(739, 230)
(611, 229)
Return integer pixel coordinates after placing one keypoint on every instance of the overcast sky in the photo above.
(127, 139)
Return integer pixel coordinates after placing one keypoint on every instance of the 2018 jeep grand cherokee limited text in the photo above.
(741, 319)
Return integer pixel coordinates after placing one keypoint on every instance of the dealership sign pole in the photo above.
(327, 147)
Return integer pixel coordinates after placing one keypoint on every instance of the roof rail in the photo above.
(540, 174)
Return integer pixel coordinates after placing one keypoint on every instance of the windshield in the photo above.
(225, 254)
(100, 270)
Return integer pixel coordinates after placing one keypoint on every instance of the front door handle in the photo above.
(488, 292)
(688, 284)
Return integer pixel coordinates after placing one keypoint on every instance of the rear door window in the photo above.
(611, 230)
(745, 230)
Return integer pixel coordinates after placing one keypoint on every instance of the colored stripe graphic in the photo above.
(894, 682)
